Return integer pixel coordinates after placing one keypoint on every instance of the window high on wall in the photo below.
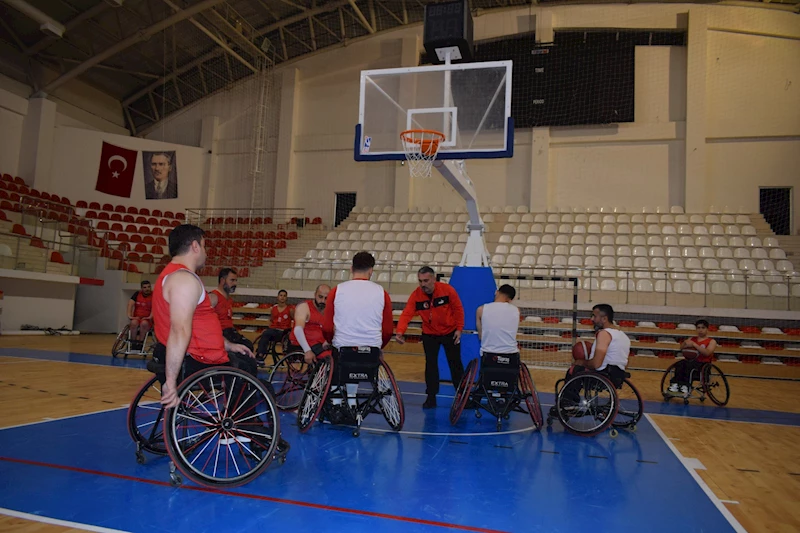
(775, 203)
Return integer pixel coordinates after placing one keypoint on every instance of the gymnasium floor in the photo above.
(66, 460)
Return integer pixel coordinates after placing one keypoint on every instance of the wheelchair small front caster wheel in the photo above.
(499, 426)
(175, 480)
(632, 429)
(507, 417)
(140, 458)
(356, 433)
(686, 401)
(613, 433)
(702, 399)
(478, 414)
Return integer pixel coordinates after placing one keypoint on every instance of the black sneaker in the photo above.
(430, 403)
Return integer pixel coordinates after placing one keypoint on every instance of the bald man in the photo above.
(307, 332)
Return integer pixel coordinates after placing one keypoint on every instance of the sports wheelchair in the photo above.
(504, 382)
(125, 346)
(271, 348)
(329, 379)
(289, 377)
(589, 402)
(224, 432)
(713, 384)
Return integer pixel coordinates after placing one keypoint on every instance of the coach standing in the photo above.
(442, 314)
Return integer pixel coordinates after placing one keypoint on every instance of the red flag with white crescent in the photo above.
(117, 166)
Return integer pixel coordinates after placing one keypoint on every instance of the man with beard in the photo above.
(307, 332)
(609, 354)
(140, 313)
(222, 303)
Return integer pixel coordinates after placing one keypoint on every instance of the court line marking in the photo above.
(45, 360)
(357, 512)
(62, 418)
(57, 522)
(702, 484)
(733, 421)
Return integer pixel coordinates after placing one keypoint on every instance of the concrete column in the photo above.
(696, 189)
(36, 150)
(284, 179)
(542, 191)
(208, 142)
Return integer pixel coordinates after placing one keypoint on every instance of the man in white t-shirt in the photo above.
(498, 322)
(611, 347)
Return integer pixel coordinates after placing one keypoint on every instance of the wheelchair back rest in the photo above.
(356, 365)
(500, 371)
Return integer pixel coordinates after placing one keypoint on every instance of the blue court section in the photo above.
(431, 477)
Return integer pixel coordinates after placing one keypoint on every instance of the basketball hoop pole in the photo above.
(455, 172)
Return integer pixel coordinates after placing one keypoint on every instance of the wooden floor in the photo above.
(756, 465)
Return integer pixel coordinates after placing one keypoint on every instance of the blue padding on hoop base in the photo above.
(475, 287)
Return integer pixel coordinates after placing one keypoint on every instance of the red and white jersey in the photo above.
(704, 343)
(224, 309)
(206, 343)
(282, 319)
(313, 328)
(143, 305)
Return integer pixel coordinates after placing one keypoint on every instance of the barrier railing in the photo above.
(18, 253)
(245, 218)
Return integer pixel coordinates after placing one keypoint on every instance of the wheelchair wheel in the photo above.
(587, 404)
(289, 378)
(319, 383)
(463, 392)
(666, 381)
(631, 406)
(391, 400)
(528, 390)
(225, 430)
(121, 342)
(715, 384)
(146, 420)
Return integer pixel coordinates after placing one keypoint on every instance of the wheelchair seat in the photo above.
(500, 372)
(357, 365)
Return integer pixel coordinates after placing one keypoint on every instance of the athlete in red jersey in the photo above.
(307, 332)
(705, 347)
(140, 311)
(281, 317)
(184, 318)
(223, 305)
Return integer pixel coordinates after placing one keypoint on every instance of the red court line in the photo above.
(253, 496)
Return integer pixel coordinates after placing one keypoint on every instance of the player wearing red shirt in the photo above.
(705, 347)
(140, 312)
(281, 317)
(223, 305)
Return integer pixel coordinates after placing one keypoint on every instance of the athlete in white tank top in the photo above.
(611, 346)
(498, 323)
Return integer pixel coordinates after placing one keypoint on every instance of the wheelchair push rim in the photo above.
(391, 401)
(289, 379)
(715, 384)
(225, 430)
(528, 389)
(596, 405)
(146, 418)
(463, 392)
(315, 394)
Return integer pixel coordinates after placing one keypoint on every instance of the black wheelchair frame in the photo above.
(712, 382)
(123, 343)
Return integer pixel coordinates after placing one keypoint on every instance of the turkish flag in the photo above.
(117, 166)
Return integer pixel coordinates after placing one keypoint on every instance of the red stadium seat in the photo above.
(156, 231)
(169, 214)
(175, 223)
(133, 268)
(123, 237)
(65, 200)
(292, 235)
(230, 220)
(5, 204)
(132, 210)
(3, 216)
(7, 177)
(627, 324)
(36, 242)
(666, 325)
(152, 221)
(159, 269)
(93, 205)
(116, 226)
(43, 196)
(161, 241)
(280, 245)
(144, 230)
(280, 235)
(18, 180)
(56, 257)
(133, 256)
(551, 320)
(750, 329)
(136, 238)
(107, 207)
(141, 220)
(148, 240)
(258, 221)
(164, 223)
(157, 213)
(12, 187)
(317, 220)
(18, 229)
(103, 215)
(102, 225)
(130, 228)
(110, 236)
(120, 209)
(115, 217)
(91, 214)
(144, 211)
(180, 216)
(147, 258)
(128, 219)
(157, 249)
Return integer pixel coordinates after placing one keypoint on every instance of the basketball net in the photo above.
(421, 147)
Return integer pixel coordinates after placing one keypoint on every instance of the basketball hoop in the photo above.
(421, 147)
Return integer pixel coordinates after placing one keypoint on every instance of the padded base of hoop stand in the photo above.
(475, 287)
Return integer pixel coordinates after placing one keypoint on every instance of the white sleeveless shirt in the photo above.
(500, 321)
(618, 350)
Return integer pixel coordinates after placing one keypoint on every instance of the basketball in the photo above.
(581, 350)
(690, 354)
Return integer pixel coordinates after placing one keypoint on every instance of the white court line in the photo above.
(63, 418)
(711, 496)
(57, 522)
(733, 421)
(730, 502)
(73, 362)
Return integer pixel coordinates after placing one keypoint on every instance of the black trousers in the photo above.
(431, 344)
(683, 369)
(269, 340)
(232, 335)
(236, 360)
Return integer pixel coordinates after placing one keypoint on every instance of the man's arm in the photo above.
(408, 313)
(478, 325)
(213, 298)
(457, 308)
(131, 305)
(387, 324)
(601, 344)
(327, 322)
(293, 310)
(181, 291)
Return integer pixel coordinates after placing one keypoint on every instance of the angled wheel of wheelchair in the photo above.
(289, 379)
(225, 430)
(121, 342)
(319, 383)
(528, 390)
(146, 420)
(587, 404)
(631, 406)
(391, 400)
(463, 391)
(715, 384)
(666, 380)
